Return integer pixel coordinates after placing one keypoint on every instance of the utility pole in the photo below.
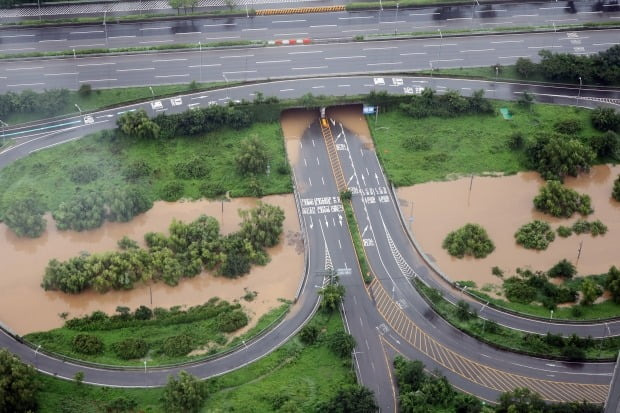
(200, 48)
(78, 108)
(579, 252)
(579, 94)
(77, 74)
(39, 5)
(105, 27)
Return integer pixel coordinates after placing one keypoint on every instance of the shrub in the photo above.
(581, 226)
(341, 343)
(612, 283)
(606, 145)
(525, 67)
(85, 90)
(211, 189)
(176, 346)
(576, 311)
(252, 157)
(172, 191)
(87, 344)
(124, 204)
(605, 119)
(559, 201)
(496, 271)
(143, 313)
(554, 156)
(84, 174)
(195, 168)
(230, 321)
(130, 348)
(127, 243)
(518, 290)
(564, 232)
(24, 215)
(516, 141)
(309, 334)
(346, 195)
(470, 239)
(615, 193)
(597, 228)
(184, 393)
(568, 126)
(85, 210)
(121, 405)
(137, 169)
(535, 235)
(463, 312)
(417, 143)
(573, 353)
(562, 269)
(590, 291)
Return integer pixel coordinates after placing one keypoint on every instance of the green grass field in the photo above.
(297, 375)
(204, 334)
(46, 171)
(471, 144)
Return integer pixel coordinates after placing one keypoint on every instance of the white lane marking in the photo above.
(307, 52)
(54, 40)
(288, 21)
(122, 37)
(490, 11)
(542, 47)
(17, 50)
(305, 162)
(254, 30)
(309, 68)
(512, 57)
(344, 85)
(164, 76)
(98, 80)
(498, 23)
(525, 15)
(87, 32)
(286, 90)
(476, 50)
(359, 30)
(439, 45)
(211, 65)
(24, 68)
(222, 37)
(289, 34)
(236, 56)
(60, 74)
(508, 41)
(157, 41)
(422, 14)
(96, 64)
(339, 244)
(273, 61)
(384, 63)
(355, 18)
(447, 60)
(219, 24)
(345, 57)
(168, 60)
(551, 8)
(460, 18)
(26, 84)
(560, 20)
(323, 180)
(239, 71)
(605, 44)
(323, 25)
(318, 87)
(184, 33)
(393, 22)
(156, 28)
(8, 36)
(139, 69)
(87, 45)
(380, 48)
(412, 53)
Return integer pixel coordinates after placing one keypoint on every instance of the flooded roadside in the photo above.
(25, 307)
(501, 205)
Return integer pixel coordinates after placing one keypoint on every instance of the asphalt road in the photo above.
(318, 26)
(363, 320)
(294, 61)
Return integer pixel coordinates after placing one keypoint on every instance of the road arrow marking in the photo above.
(394, 338)
(340, 219)
(364, 179)
(377, 178)
(350, 179)
(311, 223)
(326, 223)
(364, 231)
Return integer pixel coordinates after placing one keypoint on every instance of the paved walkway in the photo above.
(131, 7)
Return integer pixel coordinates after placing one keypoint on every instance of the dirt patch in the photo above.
(25, 307)
(294, 123)
(501, 205)
(352, 118)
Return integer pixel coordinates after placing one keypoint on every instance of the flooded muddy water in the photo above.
(352, 118)
(501, 205)
(25, 307)
(294, 123)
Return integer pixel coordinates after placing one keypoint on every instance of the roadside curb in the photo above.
(300, 10)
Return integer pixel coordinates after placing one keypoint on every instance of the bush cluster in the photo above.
(595, 228)
(555, 156)
(193, 168)
(471, 239)
(449, 104)
(572, 347)
(528, 286)
(48, 102)
(535, 235)
(130, 348)
(615, 193)
(89, 209)
(84, 174)
(176, 346)
(24, 215)
(559, 201)
(188, 250)
(198, 121)
(605, 119)
(87, 344)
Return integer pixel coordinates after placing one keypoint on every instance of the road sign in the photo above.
(369, 110)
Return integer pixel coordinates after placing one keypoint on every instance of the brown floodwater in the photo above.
(353, 119)
(294, 123)
(25, 307)
(501, 205)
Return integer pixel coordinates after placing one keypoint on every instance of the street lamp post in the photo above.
(105, 27)
(579, 94)
(77, 75)
(36, 352)
(153, 100)
(381, 5)
(200, 48)
(396, 19)
(144, 366)
(78, 108)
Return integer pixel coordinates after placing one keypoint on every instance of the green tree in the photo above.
(612, 283)
(124, 204)
(562, 269)
(605, 119)
(525, 67)
(554, 156)
(535, 235)
(466, 403)
(332, 296)
(590, 291)
(409, 374)
(262, 225)
(463, 312)
(526, 100)
(341, 343)
(87, 344)
(24, 215)
(18, 385)
(176, 4)
(471, 239)
(184, 393)
(520, 400)
(78, 378)
(615, 193)
(138, 125)
(309, 334)
(559, 201)
(85, 210)
(351, 399)
(606, 145)
(252, 156)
